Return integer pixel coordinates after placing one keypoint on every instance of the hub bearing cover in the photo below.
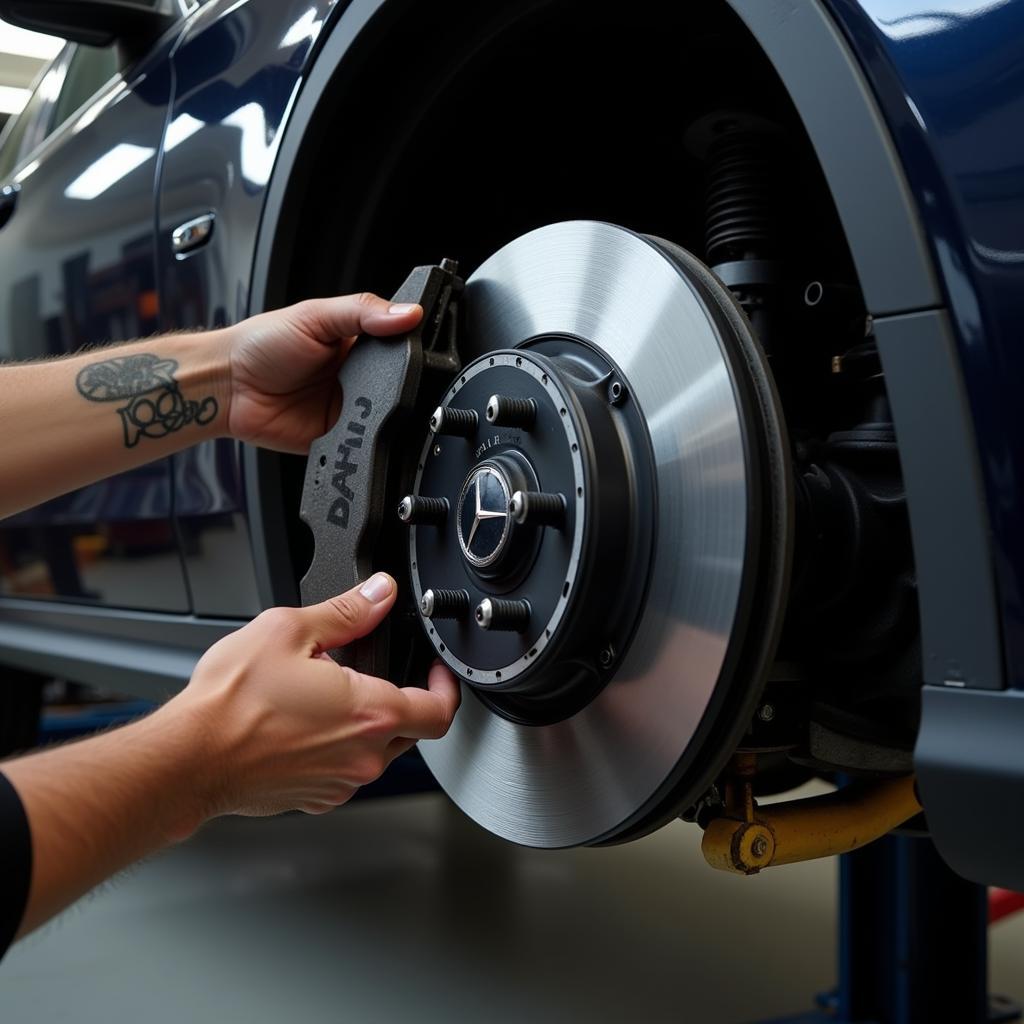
(621, 760)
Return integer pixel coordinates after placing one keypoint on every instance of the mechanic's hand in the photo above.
(284, 366)
(288, 728)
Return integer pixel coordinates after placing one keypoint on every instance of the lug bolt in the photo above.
(415, 510)
(445, 604)
(503, 411)
(501, 614)
(459, 422)
(759, 846)
(537, 509)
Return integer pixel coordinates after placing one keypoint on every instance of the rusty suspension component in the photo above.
(749, 838)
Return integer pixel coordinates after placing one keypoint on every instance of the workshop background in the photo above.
(23, 54)
(401, 908)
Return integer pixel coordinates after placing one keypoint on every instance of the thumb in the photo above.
(345, 316)
(342, 619)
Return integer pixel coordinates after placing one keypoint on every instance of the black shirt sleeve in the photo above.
(15, 862)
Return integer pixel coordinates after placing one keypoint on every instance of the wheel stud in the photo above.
(503, 411)
(458, 422)
(534, 508)
(416, 510)
(500, 614)
(445, 604)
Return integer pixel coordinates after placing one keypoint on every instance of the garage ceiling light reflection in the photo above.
(256, 156)
(13, 99)
(108, 170)
(307, 27)
(24, 43)
(182, 127)
(49, 88)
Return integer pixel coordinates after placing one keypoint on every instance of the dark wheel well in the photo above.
(527, 114)
(368, 182)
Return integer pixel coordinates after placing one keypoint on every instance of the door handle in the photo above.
(192, 235)
(8, 201)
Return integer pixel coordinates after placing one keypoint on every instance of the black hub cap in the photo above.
(553, 499)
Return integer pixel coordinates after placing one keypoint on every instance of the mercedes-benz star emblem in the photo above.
(483, 516)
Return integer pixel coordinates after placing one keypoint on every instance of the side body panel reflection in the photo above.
(77, 268)
(229, 109)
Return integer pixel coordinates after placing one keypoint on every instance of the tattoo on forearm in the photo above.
(154, 405)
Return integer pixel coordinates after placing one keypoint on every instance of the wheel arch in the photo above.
(890, 250)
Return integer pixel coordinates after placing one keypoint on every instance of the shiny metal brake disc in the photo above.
(676, 520)
(596, 531)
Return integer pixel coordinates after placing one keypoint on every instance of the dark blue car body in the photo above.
(915, 113)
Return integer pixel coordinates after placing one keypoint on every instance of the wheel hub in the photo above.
(546, 468)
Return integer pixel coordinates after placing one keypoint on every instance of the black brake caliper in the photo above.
(359, 470)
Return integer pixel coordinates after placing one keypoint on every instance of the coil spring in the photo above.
(739, 211)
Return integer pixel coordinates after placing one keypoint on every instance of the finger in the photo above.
(428, 714)
(398, 746)
(342, 619)
(316, 807)
(344, 316)
(440, 680)
(341, 795)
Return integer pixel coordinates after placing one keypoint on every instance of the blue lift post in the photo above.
(913, 942)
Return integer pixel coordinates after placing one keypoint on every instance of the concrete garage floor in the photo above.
(401, 910)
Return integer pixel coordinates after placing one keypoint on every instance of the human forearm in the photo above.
(268, 723)
(98, 805)
(271, 380)
(70, 422)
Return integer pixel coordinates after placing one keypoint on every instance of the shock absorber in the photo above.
(741, 208)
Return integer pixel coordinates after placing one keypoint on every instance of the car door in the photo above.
(237, 68)
(77, 267)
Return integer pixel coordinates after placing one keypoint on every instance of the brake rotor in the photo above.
(613, 641)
